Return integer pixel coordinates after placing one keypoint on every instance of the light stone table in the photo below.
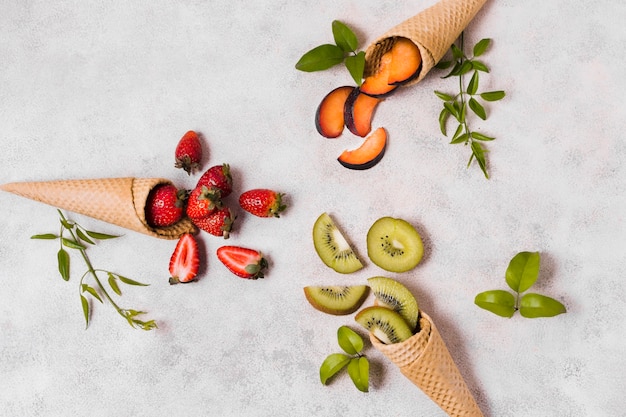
(92, 89)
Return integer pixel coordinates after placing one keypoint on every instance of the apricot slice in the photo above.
(377, 85)
(368, 154)
(329, 117)
(358, 112)
(406, 62)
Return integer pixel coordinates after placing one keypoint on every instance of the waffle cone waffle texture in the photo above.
(425, 360)
(119, 201)
(433, 30)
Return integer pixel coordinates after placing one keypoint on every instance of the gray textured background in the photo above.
(92, 90)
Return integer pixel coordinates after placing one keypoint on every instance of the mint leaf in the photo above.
(349, 340)
(537, 305)
(523, 271)
(344, 37)
(321, 58)
(499, 302)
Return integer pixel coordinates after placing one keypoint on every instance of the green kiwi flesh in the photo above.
(394, 245)
(387, 325)
(332, 248)
(336, 299)
(392, 294)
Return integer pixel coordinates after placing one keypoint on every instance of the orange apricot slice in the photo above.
(377, 85)
(329, 117)
(406, 62)
(358, 112)
(368, 154)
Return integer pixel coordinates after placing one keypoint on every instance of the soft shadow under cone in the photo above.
(119, 201)
(425, 360)
(433, 30)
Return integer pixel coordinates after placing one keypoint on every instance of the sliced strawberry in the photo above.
(188, 154)
(262, 202)
(218, 223)
(243, 262)
(185, 260)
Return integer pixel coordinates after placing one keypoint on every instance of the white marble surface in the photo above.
(92, 90)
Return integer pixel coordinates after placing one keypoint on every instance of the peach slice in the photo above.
(406, 62)
(329, 117)
(377, 85)
(368, 154)
(358, 112)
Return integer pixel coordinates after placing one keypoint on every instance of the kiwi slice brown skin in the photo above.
(336, 299)
(332, 247)
(394, 245)
(384, 323)
(394, 295)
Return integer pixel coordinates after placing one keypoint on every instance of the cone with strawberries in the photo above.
(425, 360)
(433, 31)
(119, 201)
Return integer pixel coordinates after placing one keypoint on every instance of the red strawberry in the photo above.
(188, 152)
(218, 176)
(202, 202)
(262, 202)
(164, 206)
(218, 223)
(243, 262)
(185, 260)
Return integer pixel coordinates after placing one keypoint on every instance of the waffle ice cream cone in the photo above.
(424, 359)
(119, 201)
(433, 30)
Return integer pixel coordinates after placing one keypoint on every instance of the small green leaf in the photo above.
(129, 281)
(321, 58)
(477, 108)
(457, 133)
(481, 46)
(465, 68)
(66, 224)
(100, 236)
(349, 340)
(63, 259)
(479, 153)
(359, 369)
(443, 65)
(480, 136)
(331, 365)
(356, 65)
(536, 305)
(457, 53)
(47, 236)
(452, 110)
(523, 271)
(113, 284)
(460, 139)
(92, 291)
(85, 305)
(454, 71)
(499, 302)
(443, 118)
(83, 236)
(493, 95)
(444, 96)
(472, 87)
(344, 37)
(72, 244)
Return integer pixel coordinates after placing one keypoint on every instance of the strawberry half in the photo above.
(243, 262)
(218, 176)
(165, 205)
(185, 260)
(188, 152)
(218, 223)
(262, 202)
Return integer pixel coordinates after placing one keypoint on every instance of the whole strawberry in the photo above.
(218, 223)
(185, 260)
(243, 262)
(218, 176)
(165, 205)
(202, 202)
(188, 152)
(262, 202)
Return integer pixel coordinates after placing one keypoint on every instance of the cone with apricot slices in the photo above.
(425, 360)
(433, 31)
(119, 201)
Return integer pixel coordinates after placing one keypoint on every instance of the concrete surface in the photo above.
(92, 90)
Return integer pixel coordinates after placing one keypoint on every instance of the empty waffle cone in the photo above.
(119, 201)
(425, 360)
(433, 30)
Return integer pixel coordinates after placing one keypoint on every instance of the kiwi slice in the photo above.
(332, 247)
(394, 245)
(336, 299)
(392, 294)
(387, 325)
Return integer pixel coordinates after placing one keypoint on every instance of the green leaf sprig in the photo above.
(357, 364)
(344, 50)
(468, 97)
(79, 239)
(521, 274)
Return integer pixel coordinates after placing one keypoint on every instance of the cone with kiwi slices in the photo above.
(433, 31)
(119, 201)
